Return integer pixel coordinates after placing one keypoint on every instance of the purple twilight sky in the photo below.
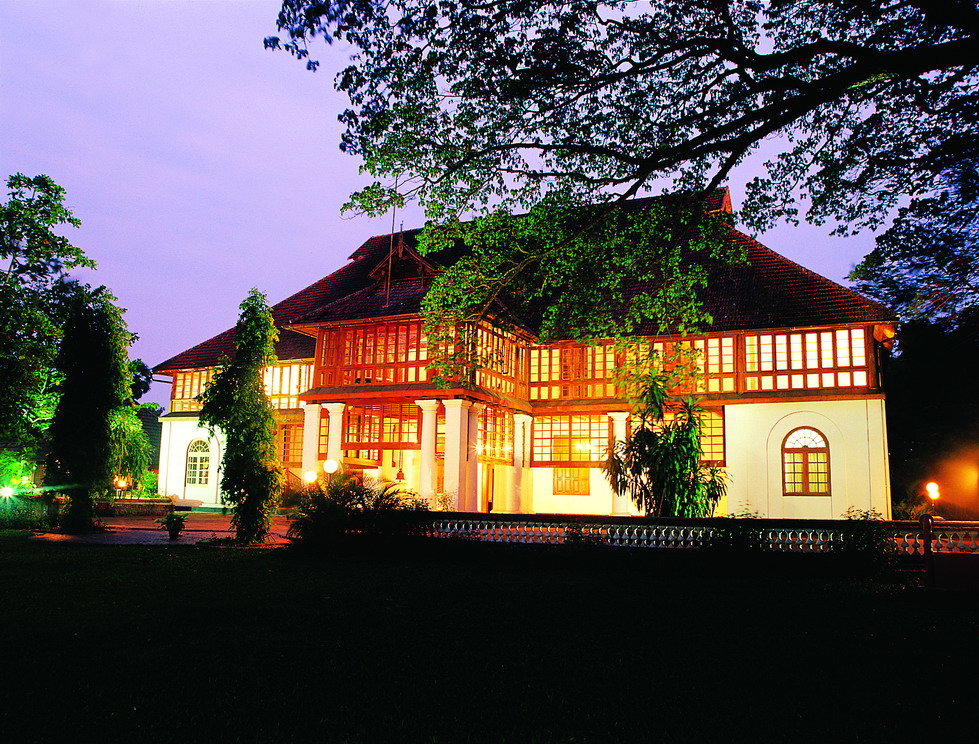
(201, 164)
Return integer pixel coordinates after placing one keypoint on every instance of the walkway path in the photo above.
(139, 530)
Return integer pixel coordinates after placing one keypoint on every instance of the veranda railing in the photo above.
(781, 535)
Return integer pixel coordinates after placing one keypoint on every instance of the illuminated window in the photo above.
(290, 444)
(187, 386)
(284, 383)
(815, 359)
(805, 463)
(570, 439)
(495, 440)
(198, 463)
(370, 355)
(572, 371)
(572, 481)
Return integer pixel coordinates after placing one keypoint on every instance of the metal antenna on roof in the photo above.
(387, 280)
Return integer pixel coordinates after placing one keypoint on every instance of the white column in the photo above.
(163, 482)
(311, 436)
(621, 505)
(521, 427)
(426, 463)
(473, 499)
(456, 441)
(334, 439)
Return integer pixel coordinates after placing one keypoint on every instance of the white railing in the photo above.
(789, 536)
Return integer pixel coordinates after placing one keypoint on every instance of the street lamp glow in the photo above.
(932, 490)
(6, 492)
(310, 476)
(331, 466)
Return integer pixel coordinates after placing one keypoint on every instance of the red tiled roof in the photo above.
(769, 292)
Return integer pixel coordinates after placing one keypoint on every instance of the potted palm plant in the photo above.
(173, 522)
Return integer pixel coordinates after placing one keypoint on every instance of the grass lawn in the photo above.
(468, 643)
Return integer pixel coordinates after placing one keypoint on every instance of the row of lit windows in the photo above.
(576, 372)
(806, 351)
(283, 384)
(570, 438)
(501, 359)
(388, 424)
(390, 353)
(187, 386)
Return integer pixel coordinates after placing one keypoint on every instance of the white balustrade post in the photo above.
(426, 465)
(621, 505)
(521, 428)
(311, 436)
(456, 441)
(334, 439)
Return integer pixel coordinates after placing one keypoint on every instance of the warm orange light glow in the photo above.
(932, 490)
(331, 466)
(121, 483)
(309, 476)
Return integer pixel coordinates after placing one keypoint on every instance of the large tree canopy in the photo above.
(510, 104)
(476, 101)
(34, 286)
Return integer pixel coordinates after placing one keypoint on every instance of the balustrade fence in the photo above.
(781, 535)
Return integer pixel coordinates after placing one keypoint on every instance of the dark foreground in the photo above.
(471, 643)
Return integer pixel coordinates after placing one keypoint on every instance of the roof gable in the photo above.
(769, 292)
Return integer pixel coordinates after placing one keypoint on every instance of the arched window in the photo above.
(198, 463)
(805, 463)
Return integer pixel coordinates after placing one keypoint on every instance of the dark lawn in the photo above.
(469, 643)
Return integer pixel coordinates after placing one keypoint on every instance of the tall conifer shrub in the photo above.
(236, 402)
(93, 359)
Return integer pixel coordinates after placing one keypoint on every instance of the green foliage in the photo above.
(659, 464)
(467, 104)
(589, 271)
(235, 402)
(33, 286)
(15, 470)
(926, 266)
(142, 378)
(866, 539)
(173, 522)
(129, 447)
(342, 505)
(22, 513)
(93, 360)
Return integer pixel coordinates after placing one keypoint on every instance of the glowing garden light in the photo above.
(310, 476)
(932, 490)
(331, 466)
(6, 492)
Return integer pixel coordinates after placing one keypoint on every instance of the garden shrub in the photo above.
(342, 507)
(866, 538)
(20, 513)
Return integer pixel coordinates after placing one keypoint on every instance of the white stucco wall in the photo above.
(855, 433)
(178, 433)
(598, 501)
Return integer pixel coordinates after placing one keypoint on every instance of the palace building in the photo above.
(789, 378)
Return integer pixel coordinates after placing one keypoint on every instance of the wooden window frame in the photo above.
(201, 475)
(804, 476)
